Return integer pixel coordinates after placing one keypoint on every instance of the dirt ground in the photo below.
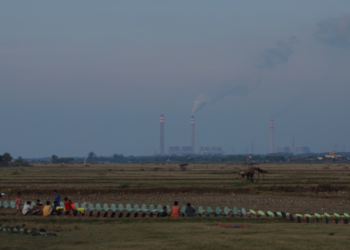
(293, 188)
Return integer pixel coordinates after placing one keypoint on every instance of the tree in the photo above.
(7, 158)
(91, 156)
(54, 158)
(118, 158)
(19, 160)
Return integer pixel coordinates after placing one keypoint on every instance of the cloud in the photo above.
(335, 32)
(271, 57)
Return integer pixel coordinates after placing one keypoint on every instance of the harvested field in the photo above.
(290, 188)
(296, 188)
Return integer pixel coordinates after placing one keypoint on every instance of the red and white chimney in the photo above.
(272, 125)
(161, 150)
(192, 133)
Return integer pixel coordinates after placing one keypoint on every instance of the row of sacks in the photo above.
(86, 206)
(128, 208)
(23, 230)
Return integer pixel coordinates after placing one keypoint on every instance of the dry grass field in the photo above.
(294, 188)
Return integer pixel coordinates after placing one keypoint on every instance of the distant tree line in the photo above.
(7, 160)
(56, 159)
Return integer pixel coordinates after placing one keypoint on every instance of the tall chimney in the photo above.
(192, 133)
(161, 151)
(271, 137)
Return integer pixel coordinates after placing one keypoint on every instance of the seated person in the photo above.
(67, 205)
(37, 208)
(72, 205)
(175, 210)
(57, 208)
(26, 208)
(47, 209)
(190, 211)
(54, 208)
(164, 213)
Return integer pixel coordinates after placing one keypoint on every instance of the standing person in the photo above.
(18, 203)
(47, 209)
(175, 210)
(27, 207)
(57, 197)
(190, 211)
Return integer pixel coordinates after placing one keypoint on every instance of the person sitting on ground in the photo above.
(37, 208)
(190, 211)
(72, 206)
(26, 208)
(175, 210)
(57, 208)
(164, 213)
(67, 205)
(18, 203)
(54, 208)
(47, 209)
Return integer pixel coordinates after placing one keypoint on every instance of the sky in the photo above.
(81, 76)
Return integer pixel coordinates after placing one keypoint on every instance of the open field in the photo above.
(294, 188)
(169, 233)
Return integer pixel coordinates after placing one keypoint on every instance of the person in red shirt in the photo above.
(18, 203)
(67, 205)
(175, 210)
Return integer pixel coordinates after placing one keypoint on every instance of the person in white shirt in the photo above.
(26, 208)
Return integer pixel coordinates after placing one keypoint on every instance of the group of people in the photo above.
(176, 212)
(47, 209)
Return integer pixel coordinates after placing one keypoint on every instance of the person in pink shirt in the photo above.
(18, 203)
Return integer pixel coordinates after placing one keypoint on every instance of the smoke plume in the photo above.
(270, 58)
(335, 32)
(278, 55)
(237, 88)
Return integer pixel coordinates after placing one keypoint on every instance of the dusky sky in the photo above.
(81, 76)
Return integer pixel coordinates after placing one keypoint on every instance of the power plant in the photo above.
(186, 150)
(271, 136)
(217, 150)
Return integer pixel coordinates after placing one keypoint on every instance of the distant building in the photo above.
(205, 150)
(176, 150)
(283, 150)
(332, 155)
(302, 150)
(187, 150)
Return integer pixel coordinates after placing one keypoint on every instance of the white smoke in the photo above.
(271, 57)
(201, 101)
(238, 88)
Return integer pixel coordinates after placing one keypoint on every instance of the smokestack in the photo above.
(192, 133)
(161, 151)
(271, 136)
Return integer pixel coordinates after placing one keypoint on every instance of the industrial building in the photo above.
(302, 150)
(283, 150)
(332, 155)
(185, 150)
(205, 150)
